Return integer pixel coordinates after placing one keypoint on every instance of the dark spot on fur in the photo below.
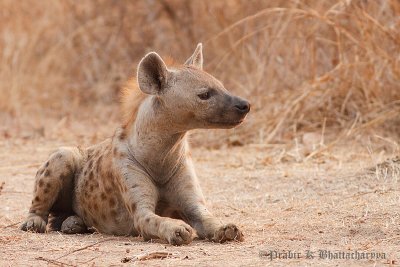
(41, 183)
(59, 156)
(108, 190)
(46, 191)
(47, 173)
(191, 115)
(103, 196)
(48, 185)
(96, 207)
(91, 188)
(37, 198)
(91, 175)
(69, 168)
(122, 135)
(147, 220)
(115, 151)
(133, 207)
(112, 202)
(98, 168)
(134, 186)
(47, 164)
(41, 171)
(90, 164)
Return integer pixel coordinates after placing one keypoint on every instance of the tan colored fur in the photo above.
(131, 97)
(142, 180)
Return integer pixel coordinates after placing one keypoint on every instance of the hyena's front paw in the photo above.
(227, 233)
(177, 232)
(34, 223)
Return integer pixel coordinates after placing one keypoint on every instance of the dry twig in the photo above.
(148, 256)
(86, 247)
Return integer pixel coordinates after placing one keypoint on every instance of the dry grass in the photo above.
(330, 67)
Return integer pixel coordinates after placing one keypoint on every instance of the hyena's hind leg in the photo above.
(67, 223)
(74, 225)
(54, 187)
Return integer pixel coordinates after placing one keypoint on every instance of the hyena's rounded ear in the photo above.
(197, 58)
(152, 74)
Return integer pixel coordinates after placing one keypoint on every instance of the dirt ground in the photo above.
(281, 203)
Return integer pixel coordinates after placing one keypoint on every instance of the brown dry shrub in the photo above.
(306, 66)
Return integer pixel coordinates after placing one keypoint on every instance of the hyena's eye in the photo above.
(205, 95)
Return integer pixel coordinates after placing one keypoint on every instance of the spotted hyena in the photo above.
(142, 181)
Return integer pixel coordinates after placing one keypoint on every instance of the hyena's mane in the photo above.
(131, 97)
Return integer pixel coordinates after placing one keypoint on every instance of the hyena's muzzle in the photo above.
(232, 110)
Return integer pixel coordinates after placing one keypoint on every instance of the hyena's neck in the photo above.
(155, 144)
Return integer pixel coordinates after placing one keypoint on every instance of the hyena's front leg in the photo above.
(53, 177)
(141, 198)
(186, 194)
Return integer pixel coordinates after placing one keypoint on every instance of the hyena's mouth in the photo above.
(227, 124)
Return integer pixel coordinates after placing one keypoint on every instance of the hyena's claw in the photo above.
(180, 234)
(228, 232)
(34, 223)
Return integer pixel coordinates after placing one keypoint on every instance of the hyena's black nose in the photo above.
(242, 106)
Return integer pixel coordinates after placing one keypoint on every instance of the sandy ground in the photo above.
(281, 204)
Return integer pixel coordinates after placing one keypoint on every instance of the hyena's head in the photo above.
(192, 97)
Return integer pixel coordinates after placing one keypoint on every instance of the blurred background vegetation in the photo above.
(326, 70)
